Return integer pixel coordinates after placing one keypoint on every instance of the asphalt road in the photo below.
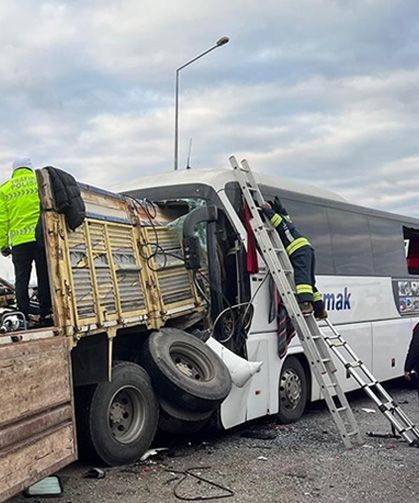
(305, 461)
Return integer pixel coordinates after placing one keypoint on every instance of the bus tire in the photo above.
(293, 391)
(117, 420)
(185, 372)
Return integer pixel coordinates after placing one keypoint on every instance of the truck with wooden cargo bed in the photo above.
(130, 306)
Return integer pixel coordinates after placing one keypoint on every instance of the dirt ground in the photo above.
(305, 461)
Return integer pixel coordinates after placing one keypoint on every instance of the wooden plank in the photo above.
(34, 376)
(37, 432)
(23, 430)
(35, 460)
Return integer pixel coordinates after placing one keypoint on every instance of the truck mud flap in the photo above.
(37, 432)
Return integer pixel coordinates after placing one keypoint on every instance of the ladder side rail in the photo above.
(327, 395)
(409, 432)
(385, 402)
(256, 217)
(351, 352)
(362, 367)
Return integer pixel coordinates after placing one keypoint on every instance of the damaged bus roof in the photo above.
(217, 179)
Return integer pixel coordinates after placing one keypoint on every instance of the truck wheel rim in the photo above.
(290, 390)
(126, 414)
(191, 363)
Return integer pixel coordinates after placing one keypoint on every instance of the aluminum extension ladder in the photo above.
(358, 370)
(315, 344)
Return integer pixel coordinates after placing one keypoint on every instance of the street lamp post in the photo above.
(219, 43)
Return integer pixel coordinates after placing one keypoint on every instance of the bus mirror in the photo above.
(191, 243)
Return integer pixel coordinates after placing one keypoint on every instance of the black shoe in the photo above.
(306, 308)
(320, 315)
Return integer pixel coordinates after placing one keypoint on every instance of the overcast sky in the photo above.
(319, 90)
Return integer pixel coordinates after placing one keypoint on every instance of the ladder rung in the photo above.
(341, 409)
(332, 385)
(338, 344)
(353, 365)
(369, 385)
(408, 428)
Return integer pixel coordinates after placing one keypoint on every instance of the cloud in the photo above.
(324, 91)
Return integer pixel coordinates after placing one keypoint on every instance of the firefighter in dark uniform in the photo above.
(301, 255)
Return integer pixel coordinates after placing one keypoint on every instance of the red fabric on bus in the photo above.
(413, 262)
(413, 256)
(413, 251)
(251, 257)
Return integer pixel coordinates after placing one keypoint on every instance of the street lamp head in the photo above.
(222, 41)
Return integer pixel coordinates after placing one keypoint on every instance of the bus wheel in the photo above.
(119, 418)
(293, 391)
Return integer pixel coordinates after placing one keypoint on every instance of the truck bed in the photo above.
(37, 432)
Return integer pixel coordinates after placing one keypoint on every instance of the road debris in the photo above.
(368, 411)
(152, 452)
(202, 481)
(95, 473)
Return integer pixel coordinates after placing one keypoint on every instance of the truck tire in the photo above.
(181, 422)
(293, 391)
(185, 426)
(185, 372)
(117, 420)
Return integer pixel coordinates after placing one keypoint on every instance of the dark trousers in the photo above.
(23, 257)
(304, 264)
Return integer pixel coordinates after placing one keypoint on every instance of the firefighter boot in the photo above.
(320, 312)
(306, 308)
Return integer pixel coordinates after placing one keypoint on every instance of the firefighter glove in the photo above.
(267, 209)
(6, 251)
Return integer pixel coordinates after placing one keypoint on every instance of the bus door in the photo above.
(256, 399)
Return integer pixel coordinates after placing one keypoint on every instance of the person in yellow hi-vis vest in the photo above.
(301, 255)
(19, 215)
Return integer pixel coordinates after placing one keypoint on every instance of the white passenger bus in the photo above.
(367, 270)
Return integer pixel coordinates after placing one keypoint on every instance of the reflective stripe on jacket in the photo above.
(19, 208)
(290, 237)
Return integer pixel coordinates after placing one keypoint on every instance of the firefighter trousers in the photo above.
(303, 262)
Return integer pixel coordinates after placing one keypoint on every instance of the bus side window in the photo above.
(387, 247)
(311, 221)
(412, 258)
(351, 243)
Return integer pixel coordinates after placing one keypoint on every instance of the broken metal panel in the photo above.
(37, 432)
(174, 280)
